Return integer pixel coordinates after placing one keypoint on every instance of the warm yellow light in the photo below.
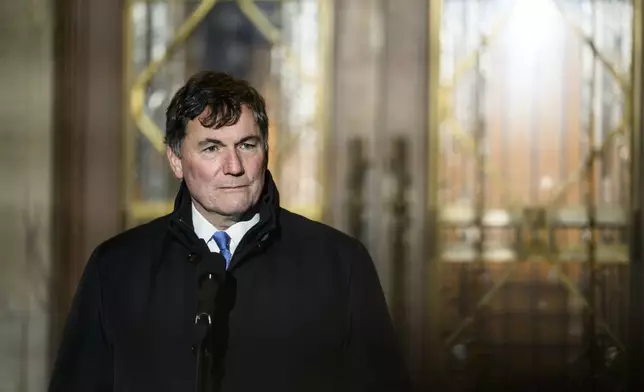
(532, 27)
(531, 41)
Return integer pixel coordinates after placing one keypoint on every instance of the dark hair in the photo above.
(220, 93)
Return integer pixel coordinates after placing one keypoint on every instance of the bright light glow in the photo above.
(533, 27)
(532, 45)
(299, 99)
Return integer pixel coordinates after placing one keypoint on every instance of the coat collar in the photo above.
(268, 207)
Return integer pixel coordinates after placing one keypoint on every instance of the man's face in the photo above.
(223, 168)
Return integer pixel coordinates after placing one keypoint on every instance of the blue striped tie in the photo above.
(222, 239)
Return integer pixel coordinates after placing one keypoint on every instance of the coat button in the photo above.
(192, 258)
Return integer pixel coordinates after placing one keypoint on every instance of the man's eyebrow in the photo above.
(217, 142)
(251, 138)
(210, 141)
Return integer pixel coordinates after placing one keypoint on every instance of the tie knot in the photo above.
(222, 239)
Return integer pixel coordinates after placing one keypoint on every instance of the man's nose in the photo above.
(233, 165)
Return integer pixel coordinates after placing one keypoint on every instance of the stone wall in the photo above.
(26, 66)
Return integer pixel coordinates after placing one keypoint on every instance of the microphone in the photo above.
(211, 275)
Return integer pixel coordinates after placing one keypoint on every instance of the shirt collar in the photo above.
(205, 229)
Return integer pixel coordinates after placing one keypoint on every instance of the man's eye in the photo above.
(210, 149)
(247, 146)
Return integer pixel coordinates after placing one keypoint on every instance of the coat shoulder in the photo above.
(302, 230)
(136, 242)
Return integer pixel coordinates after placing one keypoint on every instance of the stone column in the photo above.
(88, 123)
(358, 56)
(26, 65)
(636, 311)
(381, 85)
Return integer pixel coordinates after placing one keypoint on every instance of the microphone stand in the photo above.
(211, 272)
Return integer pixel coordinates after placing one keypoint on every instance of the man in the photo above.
(298, 304)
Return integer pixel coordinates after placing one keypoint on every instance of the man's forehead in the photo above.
(240, 129)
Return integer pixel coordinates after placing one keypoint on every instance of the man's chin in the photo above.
(230, 212)
(231, 207)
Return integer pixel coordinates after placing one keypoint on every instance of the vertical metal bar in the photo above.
(534, 286)
(591, 208)
(563, 125)
(434, 346)
(506, 132)
(479, 160)
(399, 233)
(355, 185)
(324, 119)
(129, 133)
(636, 300)
(506, 123)
(465, 191)
(378, 229)
(534, 138)
(582, 48)
(625, 163)
(465, 301)
(601, 128)
(142, 155)
(479, 194)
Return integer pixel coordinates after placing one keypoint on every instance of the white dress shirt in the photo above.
(205, 230)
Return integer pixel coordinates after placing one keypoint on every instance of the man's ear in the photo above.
(175, 162)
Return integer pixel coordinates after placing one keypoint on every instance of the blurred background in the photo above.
(487, 152)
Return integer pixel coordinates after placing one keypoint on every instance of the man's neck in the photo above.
(221, 222)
